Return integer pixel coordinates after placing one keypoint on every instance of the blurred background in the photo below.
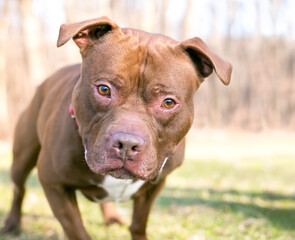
(256, 36)
(238, 178)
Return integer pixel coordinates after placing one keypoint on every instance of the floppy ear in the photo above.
(206, 60)
(84, 33)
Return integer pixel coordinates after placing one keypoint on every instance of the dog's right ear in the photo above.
(84, 33)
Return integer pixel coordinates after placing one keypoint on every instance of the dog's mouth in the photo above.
(113, 167)
(122, 156)
(117, 169)
(121, 173)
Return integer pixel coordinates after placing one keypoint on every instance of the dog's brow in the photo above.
(117, 82)
(161, 89)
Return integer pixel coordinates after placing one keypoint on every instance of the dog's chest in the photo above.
(118, 190)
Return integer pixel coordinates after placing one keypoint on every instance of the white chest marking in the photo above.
(119, 190)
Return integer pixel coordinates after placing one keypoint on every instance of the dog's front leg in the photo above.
(141, 209)
(64, 206)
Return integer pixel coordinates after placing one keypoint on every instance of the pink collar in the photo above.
(72, 114)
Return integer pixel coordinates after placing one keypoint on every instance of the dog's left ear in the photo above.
(205, 60)
(86, 32)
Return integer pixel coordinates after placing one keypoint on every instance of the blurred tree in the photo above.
(33, 47)
(3, 74)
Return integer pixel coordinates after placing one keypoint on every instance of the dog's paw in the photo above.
(11, 227)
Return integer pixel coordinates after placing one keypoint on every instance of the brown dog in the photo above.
(132, 99)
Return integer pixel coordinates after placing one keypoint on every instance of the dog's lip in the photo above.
(118, 168)
(118, 171)
(121, 173)
(103, 169)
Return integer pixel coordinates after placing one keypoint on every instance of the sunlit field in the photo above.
(231, 186)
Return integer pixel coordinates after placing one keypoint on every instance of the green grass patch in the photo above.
(203, 199)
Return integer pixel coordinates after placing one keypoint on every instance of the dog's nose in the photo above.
(126, 145)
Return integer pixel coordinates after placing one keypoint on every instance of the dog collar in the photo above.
(157, 179)
(72, 114)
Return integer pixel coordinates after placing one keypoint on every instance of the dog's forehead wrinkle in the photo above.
(113, 79)
(139, 51)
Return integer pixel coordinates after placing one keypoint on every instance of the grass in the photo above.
(206, 198)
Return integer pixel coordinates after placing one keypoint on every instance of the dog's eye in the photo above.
(168, 103)
(104, 90)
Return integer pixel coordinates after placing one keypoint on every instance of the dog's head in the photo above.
(134, 98)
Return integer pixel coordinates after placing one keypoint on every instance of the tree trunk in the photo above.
(3, 79)
(34, 53)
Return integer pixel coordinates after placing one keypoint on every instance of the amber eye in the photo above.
(104, 90)
(168, 103)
